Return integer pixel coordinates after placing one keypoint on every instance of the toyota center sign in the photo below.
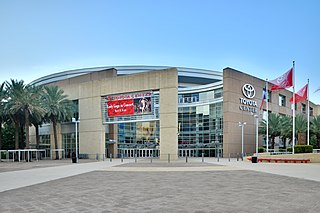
(246, 103)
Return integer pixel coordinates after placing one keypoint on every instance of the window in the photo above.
(218, 93)
(303, 108)
(311, 111)
(282, 100)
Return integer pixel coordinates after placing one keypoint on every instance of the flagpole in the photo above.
(294, 109)
(267, 116)
(308, 132)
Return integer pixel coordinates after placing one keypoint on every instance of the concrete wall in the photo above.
(233, 82)
(89, 89)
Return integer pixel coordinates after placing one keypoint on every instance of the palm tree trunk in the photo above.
(27, 132)
(16, 136)
(285, 144)
(54, 123)
(272, 140)
(37, 136)
(27, 127)
(22, 145)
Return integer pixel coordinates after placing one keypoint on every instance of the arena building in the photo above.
(163, 112)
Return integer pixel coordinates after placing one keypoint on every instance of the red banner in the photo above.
(283, 81)
(301, 95)
(120, 107)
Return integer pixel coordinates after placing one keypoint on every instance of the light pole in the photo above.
(257, 136)
(242, 124)
(74, 120)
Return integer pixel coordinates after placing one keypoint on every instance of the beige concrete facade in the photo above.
(89, 88)
(233, 81)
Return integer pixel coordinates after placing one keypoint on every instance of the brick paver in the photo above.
(217, 190)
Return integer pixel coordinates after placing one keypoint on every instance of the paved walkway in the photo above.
(309, 171)
(212, 186)
(17, 179)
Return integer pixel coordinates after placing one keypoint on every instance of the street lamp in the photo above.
(74, 120)
(257, 136)
(242, 124)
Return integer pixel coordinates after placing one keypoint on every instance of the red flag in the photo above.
(301, 95)
(283, 81)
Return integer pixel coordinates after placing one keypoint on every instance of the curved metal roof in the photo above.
(186, 75)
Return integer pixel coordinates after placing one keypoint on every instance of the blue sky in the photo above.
(261, 38)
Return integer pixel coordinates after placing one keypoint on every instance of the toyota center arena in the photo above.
(165, 112)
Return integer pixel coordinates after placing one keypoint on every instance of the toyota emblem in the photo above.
(248, 91)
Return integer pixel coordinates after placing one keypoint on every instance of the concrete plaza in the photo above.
(159, 186)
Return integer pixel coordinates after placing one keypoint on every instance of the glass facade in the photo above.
(138, 136)
(200, 123)
(69, 143)
(200, 127)
(137, 133)
(45, 144)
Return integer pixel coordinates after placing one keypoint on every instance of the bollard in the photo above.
(241, 156)
(135, 158)
(229, 157)
(151, 159)
(186, 158)
(110, 157)
(237, 156)
(202, 157)
(121, 158)
(218, 157)
(168, 158)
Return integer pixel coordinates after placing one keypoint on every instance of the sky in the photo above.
(261, 38)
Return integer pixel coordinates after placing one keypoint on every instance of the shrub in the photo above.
(303, 149)
(261, 150)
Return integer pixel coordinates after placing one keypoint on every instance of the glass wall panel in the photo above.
(201, 127)
(69, 143)
(138, 136)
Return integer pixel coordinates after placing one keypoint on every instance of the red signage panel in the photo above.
(120, 107)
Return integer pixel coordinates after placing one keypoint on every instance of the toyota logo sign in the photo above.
(248, 91)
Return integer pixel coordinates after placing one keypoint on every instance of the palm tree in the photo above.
(286, 128)
(15, 91)
(300, 127)
(37, 117)
(315, 128)
(58, 108)
(3, 101)
(274, 127)
(26, 100)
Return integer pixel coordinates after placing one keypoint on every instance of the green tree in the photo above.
(15, 92)
(37, 117)
(286, 128)
(58, 108)
(274, 127)
(315, 128)
(300, 127)
(8, 135)
(26, 100)
(3, 102)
